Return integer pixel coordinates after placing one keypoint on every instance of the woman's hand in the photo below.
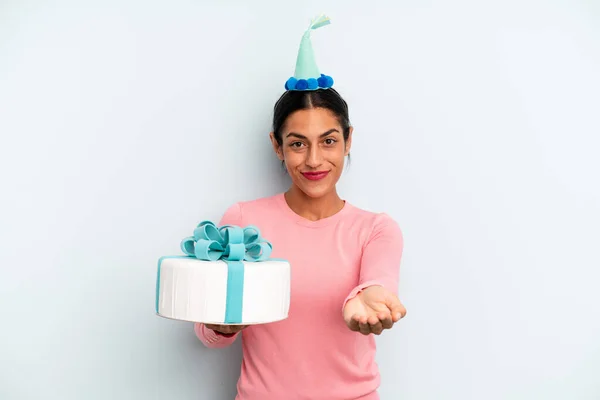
(227, 330)
(373, 310)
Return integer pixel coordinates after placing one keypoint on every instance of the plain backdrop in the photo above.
(125, 123)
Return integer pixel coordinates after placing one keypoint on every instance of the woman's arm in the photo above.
(209, 337)
(382, 253)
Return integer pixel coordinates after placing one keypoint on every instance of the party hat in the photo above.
(307, 75)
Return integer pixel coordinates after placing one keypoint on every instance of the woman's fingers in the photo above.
(226, 329)
(364, 326)
(398, 312)
(376, 325)
(213, 327)
(386, 320)
(237, 328)
(360, 324)
(353, 324)
(396, 308)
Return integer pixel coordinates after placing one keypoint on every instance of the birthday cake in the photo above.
(225, 276)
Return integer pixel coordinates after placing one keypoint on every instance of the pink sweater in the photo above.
(313, 354)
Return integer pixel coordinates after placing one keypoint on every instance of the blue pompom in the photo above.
(312, 83)
(291, 83)
(302, 84)
(325, 81)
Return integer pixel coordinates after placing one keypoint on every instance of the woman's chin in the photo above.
(315, 190)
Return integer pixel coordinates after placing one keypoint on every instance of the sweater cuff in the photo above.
(359, 289)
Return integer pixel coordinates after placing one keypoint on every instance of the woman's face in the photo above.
(313, 150)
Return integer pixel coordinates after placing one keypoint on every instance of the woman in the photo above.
(345, 266)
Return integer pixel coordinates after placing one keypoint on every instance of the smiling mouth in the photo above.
(315, 176)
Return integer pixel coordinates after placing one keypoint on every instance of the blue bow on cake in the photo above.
(233, 245)
(227, 242)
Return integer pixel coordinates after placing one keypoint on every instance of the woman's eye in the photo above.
(296, 144)
(330, 141)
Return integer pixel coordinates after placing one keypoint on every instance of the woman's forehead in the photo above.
(314, 121)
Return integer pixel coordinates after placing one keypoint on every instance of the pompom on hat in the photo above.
(307, 75)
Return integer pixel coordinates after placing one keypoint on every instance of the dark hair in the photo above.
(292, 101)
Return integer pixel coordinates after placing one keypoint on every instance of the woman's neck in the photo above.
(313, 209)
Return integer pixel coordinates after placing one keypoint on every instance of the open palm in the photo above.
(373, 310)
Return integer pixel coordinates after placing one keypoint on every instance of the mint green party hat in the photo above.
(307, 75)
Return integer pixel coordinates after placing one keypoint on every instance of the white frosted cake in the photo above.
(225, 277)
(195, 290)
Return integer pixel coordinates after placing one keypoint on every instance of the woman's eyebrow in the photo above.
(304, 137)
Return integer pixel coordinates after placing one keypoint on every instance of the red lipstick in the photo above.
(315, 176)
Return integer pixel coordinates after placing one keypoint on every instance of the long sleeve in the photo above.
(210, 338)
(382, 253)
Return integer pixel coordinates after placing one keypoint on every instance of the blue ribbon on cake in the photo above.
(233, 245)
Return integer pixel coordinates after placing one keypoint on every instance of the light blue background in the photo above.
(125, 123)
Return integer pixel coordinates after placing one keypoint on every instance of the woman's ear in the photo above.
(349, 141)
(276, 147)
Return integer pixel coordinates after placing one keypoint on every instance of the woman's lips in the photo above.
(315, 176)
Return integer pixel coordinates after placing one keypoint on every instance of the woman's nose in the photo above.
(314, 157)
